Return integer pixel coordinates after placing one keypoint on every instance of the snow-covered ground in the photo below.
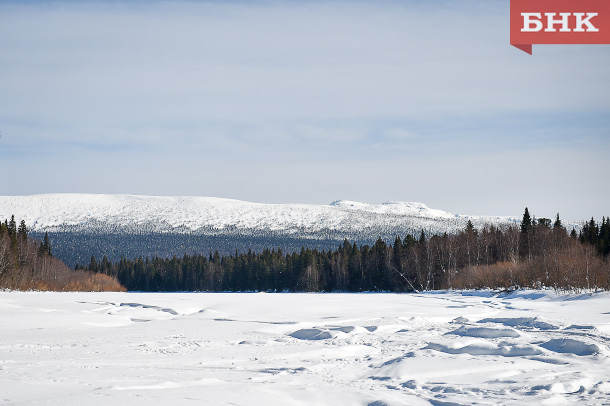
(441, 349)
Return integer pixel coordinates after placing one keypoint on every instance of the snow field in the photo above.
(438, 348)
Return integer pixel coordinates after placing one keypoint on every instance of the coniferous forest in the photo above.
(26, 264)
(538, 253)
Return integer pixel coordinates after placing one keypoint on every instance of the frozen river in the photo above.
(441, 349)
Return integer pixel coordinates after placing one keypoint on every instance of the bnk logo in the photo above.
(532, 22)
(559, 22)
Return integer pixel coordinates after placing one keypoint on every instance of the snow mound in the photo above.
(484, 332)
(522, 322)
(486, 349)
(571, 346)
(327, 332)
(311, 334)
(576, 386)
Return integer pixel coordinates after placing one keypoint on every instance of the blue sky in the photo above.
(305, 102)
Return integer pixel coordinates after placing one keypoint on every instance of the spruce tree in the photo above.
(526, 223)
(470, 228)
(12, 232)
(12, 226)
(422, 237)
(524, 237)
(589, 232)
(23, 230)
(46, 245)
(93, 264)
(409, 241)
(557, 223)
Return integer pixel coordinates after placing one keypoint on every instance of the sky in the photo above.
(302, 102)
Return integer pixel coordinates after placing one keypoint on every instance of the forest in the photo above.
(537, 253)
(26, 264)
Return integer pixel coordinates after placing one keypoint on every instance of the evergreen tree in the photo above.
(105, 266)
(589, 232)
(409, 241)
(12, 233)
(422, 237)
(557, 223)
(23, 230)
(526, 223)
(12, 226)
(470, 228)
(93, 265)
(46, 245)
(397, 254)
(525, 236)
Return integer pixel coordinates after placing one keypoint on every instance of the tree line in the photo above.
(27, 264)
(539, 252)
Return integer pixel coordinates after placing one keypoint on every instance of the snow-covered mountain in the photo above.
(209, 215)
(82, 225)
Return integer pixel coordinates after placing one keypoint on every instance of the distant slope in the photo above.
(84, 224)
(209, 215)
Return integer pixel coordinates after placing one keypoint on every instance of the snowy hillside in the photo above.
(208, 215)
(431, 349)
(85, 225)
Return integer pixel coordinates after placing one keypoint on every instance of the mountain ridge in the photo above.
(195, 214)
